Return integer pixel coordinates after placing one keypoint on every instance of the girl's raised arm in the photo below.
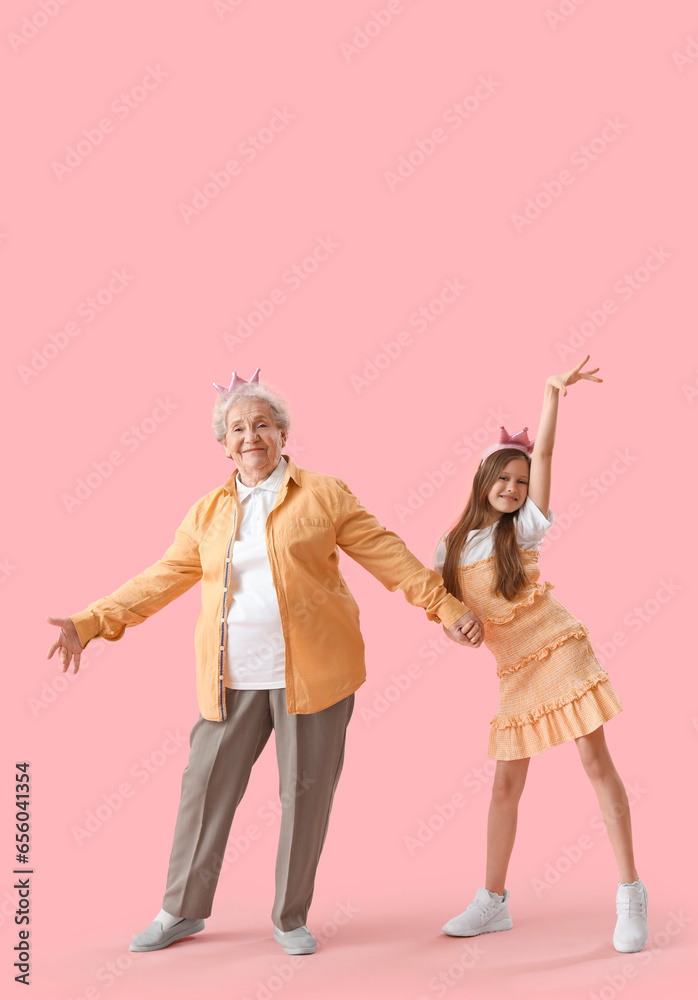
(542, 457)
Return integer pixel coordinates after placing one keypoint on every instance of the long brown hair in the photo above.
(510, 575)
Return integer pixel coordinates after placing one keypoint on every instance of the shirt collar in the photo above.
(271, 483)
(291, 472)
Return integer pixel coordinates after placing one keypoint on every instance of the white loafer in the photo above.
(154, 937)
(299, 941)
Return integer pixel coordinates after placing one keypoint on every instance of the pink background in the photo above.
(617, 229)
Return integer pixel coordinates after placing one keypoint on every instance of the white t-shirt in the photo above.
(256, 652)
(531, 526)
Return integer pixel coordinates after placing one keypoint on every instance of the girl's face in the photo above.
(510, 489)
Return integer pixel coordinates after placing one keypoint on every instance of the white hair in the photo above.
(248, 391)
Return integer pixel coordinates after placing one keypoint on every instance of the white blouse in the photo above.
(531, 526)
(256, 652)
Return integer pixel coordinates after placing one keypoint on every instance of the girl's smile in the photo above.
(510, 489)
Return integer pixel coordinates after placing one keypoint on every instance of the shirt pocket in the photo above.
(310, 539)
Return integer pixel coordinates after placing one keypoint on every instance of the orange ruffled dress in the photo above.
(551, 686)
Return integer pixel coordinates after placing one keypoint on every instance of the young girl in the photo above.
(552, 687)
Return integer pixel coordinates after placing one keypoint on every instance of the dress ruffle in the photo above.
(505, 721)
(577, 717)
(537, 591)
(540, 654)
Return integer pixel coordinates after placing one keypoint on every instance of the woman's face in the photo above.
(253, 440)
(509, 489)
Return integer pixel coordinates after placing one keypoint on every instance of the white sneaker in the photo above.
(631, 931)
(486, 913)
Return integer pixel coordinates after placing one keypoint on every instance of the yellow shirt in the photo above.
(312, 516)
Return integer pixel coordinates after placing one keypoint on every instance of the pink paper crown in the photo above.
(518, 440)
(236, 380)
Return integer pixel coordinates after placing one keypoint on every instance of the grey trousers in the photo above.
(310, 755)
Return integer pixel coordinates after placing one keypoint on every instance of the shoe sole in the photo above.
(630, 951)
(506, 926)
(169, 941)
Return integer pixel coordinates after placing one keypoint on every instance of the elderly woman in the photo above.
(278, 646)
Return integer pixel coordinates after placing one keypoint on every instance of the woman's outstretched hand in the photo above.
(564, 379)
(67, 643)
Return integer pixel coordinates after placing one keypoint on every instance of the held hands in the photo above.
(467, 631)
(564, 379)
(67, 643)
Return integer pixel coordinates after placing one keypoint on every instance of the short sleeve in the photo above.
(531, 524)
(440, 557)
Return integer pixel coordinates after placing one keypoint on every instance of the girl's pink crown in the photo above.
(236, 380)
(518, 440)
